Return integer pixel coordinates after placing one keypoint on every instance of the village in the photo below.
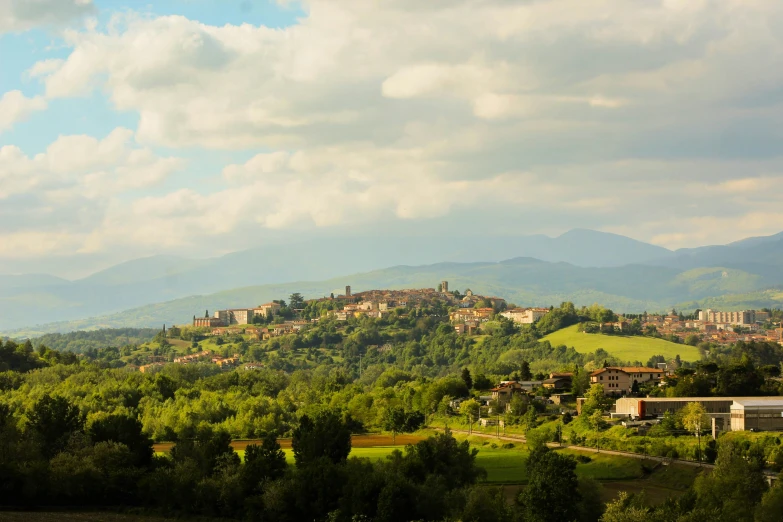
(468, 314)
(469, 311)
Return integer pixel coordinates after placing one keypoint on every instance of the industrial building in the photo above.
(734, 413)
(764, 414)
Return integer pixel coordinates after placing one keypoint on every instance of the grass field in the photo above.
(626, 348)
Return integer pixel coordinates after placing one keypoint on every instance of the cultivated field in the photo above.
(357, 441)
(626, 348)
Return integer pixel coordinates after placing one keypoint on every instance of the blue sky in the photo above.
(198, 127)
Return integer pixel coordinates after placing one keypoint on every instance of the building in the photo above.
(558, 382)
(525, 315)
(619, 380)
(148, 368)
(207, 321)
(734, 413)
(764, 414)
(505, 391)
(444, 287)
(265, 310)
(742, 318)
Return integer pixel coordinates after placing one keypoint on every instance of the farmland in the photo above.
(626, 348)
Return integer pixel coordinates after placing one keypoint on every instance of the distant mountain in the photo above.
(43, 299)
(27, 281)
(581, 265)
(522, 281)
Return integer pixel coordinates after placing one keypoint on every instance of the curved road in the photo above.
(664, 460)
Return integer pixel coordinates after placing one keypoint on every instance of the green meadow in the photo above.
(627, 348)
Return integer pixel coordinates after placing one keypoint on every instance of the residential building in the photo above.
(525, 315)
(267, 309)
(557, 384)
(207, 321)
(505, 391)
(744, 317)
(619, 380)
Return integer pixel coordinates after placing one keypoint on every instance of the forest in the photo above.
(78, 429)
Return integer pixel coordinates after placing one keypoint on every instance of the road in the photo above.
(771, 475)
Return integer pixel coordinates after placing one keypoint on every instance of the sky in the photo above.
(200, 127)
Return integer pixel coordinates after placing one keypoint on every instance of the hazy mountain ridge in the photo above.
(632, 283)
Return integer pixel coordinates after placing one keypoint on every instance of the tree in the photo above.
(482, 382)
(470, 409)
(626, 508)
(771, 505)
(466, 378)
(125, 430)
(552, 493)
(695, 419)
(524, 371)
(394, 421)
(733, 488)
(295, 300)
(54, 419)
(264, 462)
(595, 400)
(324, 435)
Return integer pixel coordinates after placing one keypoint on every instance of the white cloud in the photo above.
(15, 107)
(58, 197)
(555, 113)
(21, 15)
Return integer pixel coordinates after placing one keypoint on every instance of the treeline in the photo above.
(81, 342)
(735, 491)
(57, 458)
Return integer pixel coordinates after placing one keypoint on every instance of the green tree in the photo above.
(467, 379)
(295, 300)
(771, 507)
(54, 419)
(394, 421)
(595, 400)
(524, 371)
(124, 430)
(552, 493)
(733, 488)
(324, 435)
(695, 419)
(626, 508)
(470, 409)
(263, 463)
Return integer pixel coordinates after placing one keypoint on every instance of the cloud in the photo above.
(58, 197)
(21, 15)
(496, 115)
(15, 107)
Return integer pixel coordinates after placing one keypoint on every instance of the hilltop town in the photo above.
(469, 314)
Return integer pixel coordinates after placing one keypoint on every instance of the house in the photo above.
(557, 383)
(148, 368)
(267, 309)
(505, 391)
(619, 380)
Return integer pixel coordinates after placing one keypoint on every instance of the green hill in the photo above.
(627, 348)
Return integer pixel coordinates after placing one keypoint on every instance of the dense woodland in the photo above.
(78, 429)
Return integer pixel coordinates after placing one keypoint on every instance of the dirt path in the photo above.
(357, 441)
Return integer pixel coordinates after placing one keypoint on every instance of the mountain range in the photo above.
(583, 266)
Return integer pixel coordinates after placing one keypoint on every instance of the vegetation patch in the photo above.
(630, 348)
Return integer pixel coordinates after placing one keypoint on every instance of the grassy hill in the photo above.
(627, 348)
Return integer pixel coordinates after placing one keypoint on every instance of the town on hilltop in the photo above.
(469, 314)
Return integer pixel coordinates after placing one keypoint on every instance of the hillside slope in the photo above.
(628, 348)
